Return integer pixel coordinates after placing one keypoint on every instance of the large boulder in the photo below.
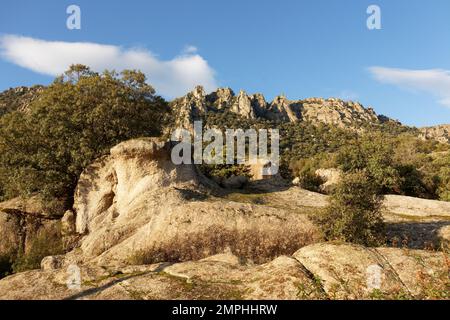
(135, 200)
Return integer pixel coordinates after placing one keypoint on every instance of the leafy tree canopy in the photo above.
(76, 119)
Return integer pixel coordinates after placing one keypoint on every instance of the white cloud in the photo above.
(170, 78)
(433, 81)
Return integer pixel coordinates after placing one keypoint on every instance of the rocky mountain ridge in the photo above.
(331, 111)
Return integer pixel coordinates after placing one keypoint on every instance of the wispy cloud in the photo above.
(190, 49)
(433, 81)
(171, 78)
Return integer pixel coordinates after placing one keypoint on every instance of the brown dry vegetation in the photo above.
(253, 245)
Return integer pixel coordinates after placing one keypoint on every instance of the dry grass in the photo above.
(258, 246)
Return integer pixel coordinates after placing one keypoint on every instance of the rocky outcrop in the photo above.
(222, 98)
(18, 99)
(137, 213)
(439, 133)
(243, 106)
(320, 271)
(336, 112)
(281, 109)
(190, 107)
(136, 200)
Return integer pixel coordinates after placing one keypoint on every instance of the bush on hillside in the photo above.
(354, 212)
(372, 154)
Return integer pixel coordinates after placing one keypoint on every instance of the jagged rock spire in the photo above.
(243, 106)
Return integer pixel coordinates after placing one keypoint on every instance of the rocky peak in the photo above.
(282, 109)
(221, 98)
(198, 93)
(243, 106)
(190, 107)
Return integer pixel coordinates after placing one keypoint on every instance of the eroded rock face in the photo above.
(190, 107)
(21, 221)
(243, 106)
(68, 222)
(221, 98)
(281, 110)
(343, 114)
(136, 199)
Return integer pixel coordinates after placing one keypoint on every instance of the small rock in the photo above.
(296, 181)
(330, 177)
(52, 263)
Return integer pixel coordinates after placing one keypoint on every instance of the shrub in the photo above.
(219, 172)
(374, 155)
(354, 212)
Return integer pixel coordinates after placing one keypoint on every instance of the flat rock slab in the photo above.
(321, 271)
(355, 272)
(416, 207)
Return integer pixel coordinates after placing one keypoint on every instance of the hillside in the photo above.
(89, 185)
(158, 231)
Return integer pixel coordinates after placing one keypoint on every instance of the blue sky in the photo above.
(299, 48)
